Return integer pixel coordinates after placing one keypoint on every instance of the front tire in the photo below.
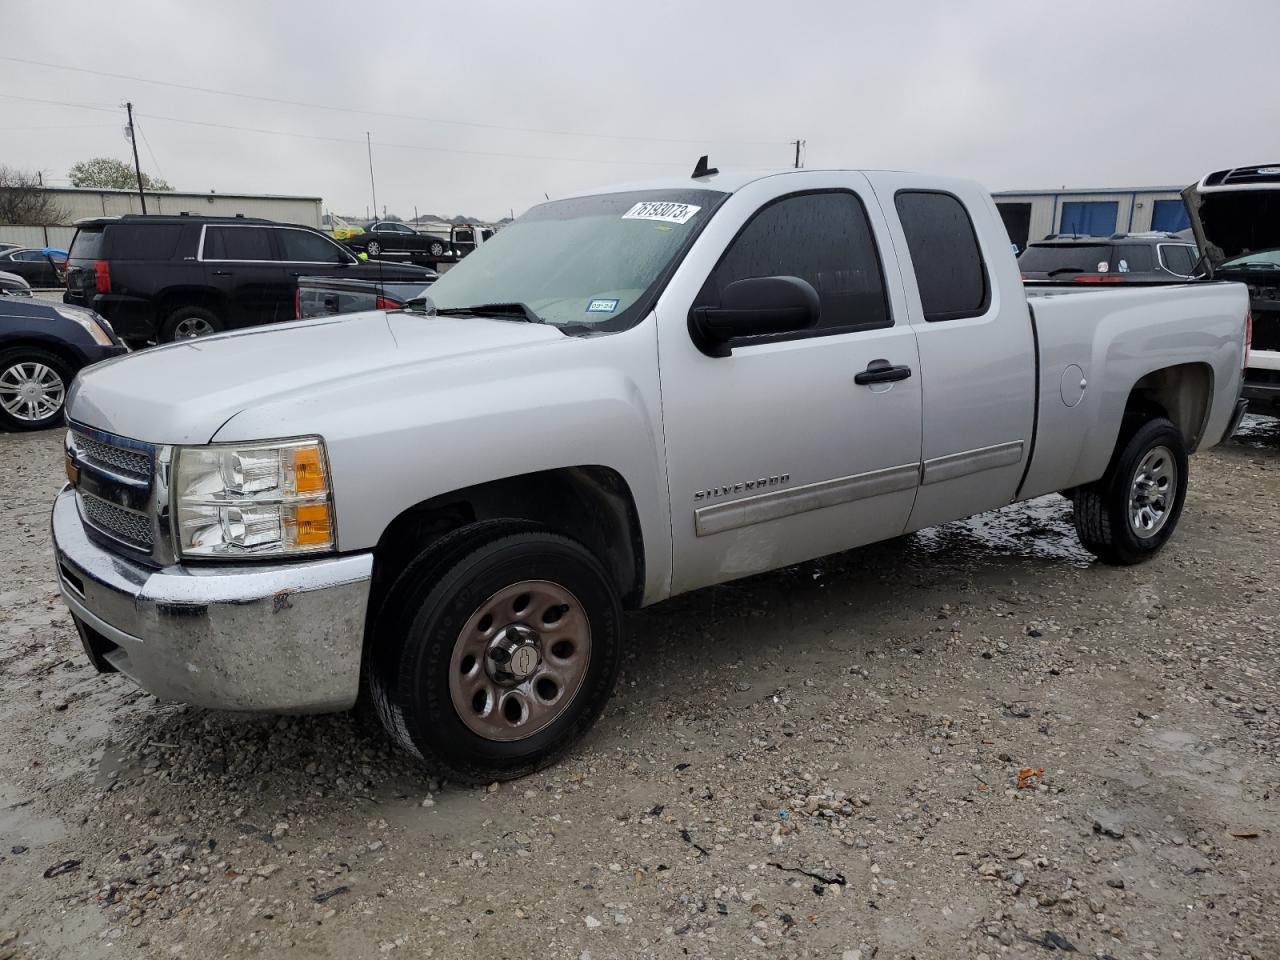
(1131, 512)
(374, 248)
(33, 388)
(496, 650)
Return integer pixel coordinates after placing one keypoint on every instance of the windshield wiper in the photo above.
(518, 310)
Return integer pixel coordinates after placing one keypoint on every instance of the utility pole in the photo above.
(799, 144)
(372, 187)
(137, 167)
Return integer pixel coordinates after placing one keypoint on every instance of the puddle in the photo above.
(1260, 433)
(20, 824)
(1040, 528)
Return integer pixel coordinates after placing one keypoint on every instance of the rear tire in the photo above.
(1131, 512)
(496, 650)
(188, 323)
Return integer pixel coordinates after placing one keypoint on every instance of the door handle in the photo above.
(882, 371)
(222, 273)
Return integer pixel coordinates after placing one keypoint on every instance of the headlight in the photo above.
(251, 500)
(97, 327)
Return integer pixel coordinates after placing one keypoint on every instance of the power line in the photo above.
(150, 152)
(330, 139)
(393, 116)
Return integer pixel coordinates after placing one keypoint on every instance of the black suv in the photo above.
(1120, 258)
(167, 278)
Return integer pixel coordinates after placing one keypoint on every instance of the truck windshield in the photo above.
(588, 260)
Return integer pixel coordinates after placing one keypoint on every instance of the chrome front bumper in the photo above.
(283, 637)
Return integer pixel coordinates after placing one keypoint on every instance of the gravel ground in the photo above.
(971, 742)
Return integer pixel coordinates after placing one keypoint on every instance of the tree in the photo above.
(24, 202)
(108, 173)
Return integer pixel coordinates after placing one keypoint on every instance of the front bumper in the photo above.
(283, 637)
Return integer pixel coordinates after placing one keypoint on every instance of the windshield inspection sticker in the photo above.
(602, 306)
(661, 210)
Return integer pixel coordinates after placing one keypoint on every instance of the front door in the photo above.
(774, 453)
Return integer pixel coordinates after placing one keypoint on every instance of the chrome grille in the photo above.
(127, 525)
(131, 463)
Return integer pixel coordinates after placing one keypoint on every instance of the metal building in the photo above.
(1034, 214)
(77, 203)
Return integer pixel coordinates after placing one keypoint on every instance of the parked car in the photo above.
(390, 239)
(633, 395)
(40, 267)
(5, 245)
(170, 278)
(42, 347)
(328, 296)
(1235, 216)
(12, 285)
(1120, 258)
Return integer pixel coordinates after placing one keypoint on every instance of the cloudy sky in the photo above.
(481, 107)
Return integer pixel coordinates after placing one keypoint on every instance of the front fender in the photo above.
(423, 433)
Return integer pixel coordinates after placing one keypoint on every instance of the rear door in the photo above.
(977, 352)
(240, 263)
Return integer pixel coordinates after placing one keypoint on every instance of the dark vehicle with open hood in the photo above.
(166, 278)
(1235, 216)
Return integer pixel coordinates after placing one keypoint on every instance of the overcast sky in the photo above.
(501, 102)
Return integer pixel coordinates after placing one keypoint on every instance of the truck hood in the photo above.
(1228, 223)
(183, 393)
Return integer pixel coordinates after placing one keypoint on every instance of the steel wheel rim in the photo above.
(31, 391)
(189, 328)
(544, 630)
(1152, 491)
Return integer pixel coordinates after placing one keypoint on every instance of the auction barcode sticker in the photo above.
(661, 210)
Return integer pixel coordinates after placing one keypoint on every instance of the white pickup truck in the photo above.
(622, 396)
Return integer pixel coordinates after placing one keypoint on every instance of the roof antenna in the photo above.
(702, 170)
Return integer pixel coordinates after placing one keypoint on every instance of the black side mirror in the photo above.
(754, 307)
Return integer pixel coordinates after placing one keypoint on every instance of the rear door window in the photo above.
(303, 246)
(823, 238)
(130, 241)
(944, 249)
(236, 243)
(87, 244)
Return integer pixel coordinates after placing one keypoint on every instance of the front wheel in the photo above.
(1129, 514)
(496, 650)
(374, 248)
(33, 388)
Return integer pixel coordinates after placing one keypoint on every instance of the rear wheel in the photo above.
(187, 323)
(496, 650)
(33, 388)
(1132, 511)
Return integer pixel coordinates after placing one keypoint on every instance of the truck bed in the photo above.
(1111, 336)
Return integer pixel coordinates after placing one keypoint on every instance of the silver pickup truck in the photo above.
(623, 396)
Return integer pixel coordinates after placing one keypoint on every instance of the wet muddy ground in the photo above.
(973, 741)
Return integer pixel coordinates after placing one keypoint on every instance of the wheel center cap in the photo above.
(514, 654)
(524, 661)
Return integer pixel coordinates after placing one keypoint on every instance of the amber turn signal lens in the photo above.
(308, 470)
(312, 525)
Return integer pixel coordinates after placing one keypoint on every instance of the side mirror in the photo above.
(754, 307)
